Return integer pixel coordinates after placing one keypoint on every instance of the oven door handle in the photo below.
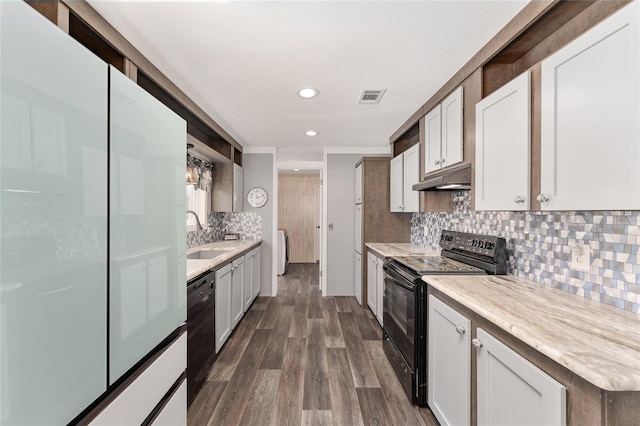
(398, 282)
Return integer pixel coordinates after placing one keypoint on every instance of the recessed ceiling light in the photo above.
(311, 133)
(308, 93)
(296, 170)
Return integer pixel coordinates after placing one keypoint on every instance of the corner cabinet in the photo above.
(405, 172)
(511, 390)
(449, 372)
(444, 133)
(590, 127)
(503, 136)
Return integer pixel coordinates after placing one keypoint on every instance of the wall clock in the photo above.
(257, 197)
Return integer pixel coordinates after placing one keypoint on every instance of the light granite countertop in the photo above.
(399, 249)
(599, 343)
(231, 249)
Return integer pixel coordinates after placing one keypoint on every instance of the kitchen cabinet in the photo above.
(237, 188)
(53, 237)
(375, 285)
(511, 390)
(358, 277)
(358, 228)
(449, 369)
(251, 277)
(223, 305)
(444, 133)
(237, 290)
(359, 183)
(503, 147)
(590, 127)
(405, 172)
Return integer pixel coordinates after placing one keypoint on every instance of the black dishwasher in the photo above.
(200, 331)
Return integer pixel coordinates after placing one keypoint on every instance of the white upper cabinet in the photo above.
(444, 133)
(405, 172)
(503, 147)
(590, 127)
(359, 184)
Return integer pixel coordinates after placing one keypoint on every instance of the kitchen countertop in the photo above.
(399, 249)
(232, 249)
(599, 343)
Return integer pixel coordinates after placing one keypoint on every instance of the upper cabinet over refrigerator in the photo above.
(53, 221)
(147, 285)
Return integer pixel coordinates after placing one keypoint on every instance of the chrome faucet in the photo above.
(198, 226)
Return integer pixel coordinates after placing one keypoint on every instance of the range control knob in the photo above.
(489, 246)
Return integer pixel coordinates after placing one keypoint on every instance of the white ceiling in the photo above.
(243, 61)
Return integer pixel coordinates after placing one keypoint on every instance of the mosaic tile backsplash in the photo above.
(540, 244)
(248, 225)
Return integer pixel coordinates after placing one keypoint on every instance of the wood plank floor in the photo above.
(303, 359)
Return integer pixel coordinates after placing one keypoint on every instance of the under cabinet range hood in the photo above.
(457, 178)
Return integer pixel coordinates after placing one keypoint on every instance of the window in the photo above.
(198, 201)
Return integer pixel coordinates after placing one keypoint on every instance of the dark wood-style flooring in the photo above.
(303, 359)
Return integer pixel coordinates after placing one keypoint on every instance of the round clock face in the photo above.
(257, 197)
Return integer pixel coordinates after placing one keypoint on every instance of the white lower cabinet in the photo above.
(358, 277)
(375, 285)
(449, 373)
(512, 391)
(251, 277)
(174, 413)
(256, 272)
(237, 290)
(223, 305)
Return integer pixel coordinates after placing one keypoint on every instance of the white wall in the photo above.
(258, 171)
(340, 190)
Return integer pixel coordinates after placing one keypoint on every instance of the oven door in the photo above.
(399, 313)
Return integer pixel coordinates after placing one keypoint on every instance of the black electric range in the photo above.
(405, 299)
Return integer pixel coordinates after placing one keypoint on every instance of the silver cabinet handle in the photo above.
(477, 343)
(460, 329)
(543, 198)
(519, 199)
(435, 163)
(443, 160)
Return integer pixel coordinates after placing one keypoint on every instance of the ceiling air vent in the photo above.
(371, 97)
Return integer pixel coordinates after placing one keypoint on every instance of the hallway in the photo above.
(300, 358)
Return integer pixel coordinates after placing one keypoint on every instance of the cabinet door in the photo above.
(53, 234)
(223, 305)
(396, 180)
(590, 127)
(449, 364)
(256, 273)
(359, 184)
(379, 290)
(358, 230)
(237, 188)
(146, 207)
(503, 147)
(411, 176)
(452, 126)
(372, 279)
(512, 391)
(237, 290)
(358, 277)
(433, 139)
(247, 294)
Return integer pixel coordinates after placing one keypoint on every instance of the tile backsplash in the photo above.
(248, 225)
(540, 244)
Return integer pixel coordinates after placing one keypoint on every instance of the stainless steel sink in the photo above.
(206, 254)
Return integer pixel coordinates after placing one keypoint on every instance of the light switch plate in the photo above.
(581, 257)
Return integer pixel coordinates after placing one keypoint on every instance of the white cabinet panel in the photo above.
(358, 230)
(411, 176)
(223, 305)
(358, 277)
(139, 399)
(590, 127)
(237, 290)
(247, 293)
(372, 279)
(148, 144)
(256, 273)
(53, 237)
(379, 290)
(503, 137)
(449, 364)
(452, 126)
(512, 391)
(359, 184)
(397, 184)
(175, 412)
(433, 139)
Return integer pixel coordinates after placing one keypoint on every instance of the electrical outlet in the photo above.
(581, 257)
(425, 230)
